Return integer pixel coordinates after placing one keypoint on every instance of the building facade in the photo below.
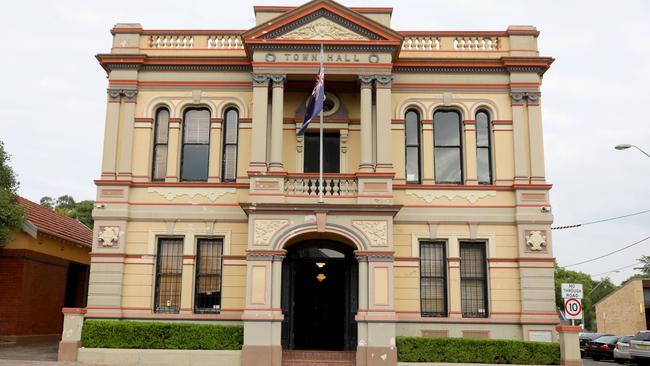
(435, 216)
(48, 259)
(624, 311)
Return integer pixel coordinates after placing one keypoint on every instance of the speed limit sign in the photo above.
(573, 308)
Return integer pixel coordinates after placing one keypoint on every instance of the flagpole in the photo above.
(320, 155)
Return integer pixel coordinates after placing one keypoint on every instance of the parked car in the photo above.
(622, 350)
(588, 337)
(601, 348)
(640, 347)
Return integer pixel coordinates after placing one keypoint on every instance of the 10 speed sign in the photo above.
(573, 308)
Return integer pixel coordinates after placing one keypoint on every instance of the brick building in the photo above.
(624, 311)
(42, 269)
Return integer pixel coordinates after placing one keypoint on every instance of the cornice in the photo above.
(253, 208)
(156, 63)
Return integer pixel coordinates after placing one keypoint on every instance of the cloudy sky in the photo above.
(595, 95)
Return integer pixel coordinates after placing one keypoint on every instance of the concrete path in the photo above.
(44, 354)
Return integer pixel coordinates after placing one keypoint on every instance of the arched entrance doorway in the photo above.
(319, 296)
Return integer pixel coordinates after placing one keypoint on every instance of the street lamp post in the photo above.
(627, 146)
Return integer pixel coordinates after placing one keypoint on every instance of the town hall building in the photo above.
(435, 216)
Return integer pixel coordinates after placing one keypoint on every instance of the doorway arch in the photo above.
(319, 295)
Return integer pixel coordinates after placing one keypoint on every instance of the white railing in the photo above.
(171, 41)
(225, 41)
(333, 186)
(437, 42)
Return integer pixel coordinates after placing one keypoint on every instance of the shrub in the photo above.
(159, 335)
(459, 350)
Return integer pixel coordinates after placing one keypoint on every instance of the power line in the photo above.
(617, 269)
(610, 253)
(599, 221)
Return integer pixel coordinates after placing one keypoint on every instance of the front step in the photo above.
(318, 358)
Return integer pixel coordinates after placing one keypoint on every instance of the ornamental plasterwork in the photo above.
(211, 194)
(265, 229)
(375, 231)
(322, 29)
(470, 196)
(536, 240)
(109, 236)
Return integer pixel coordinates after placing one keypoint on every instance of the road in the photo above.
(590, 362)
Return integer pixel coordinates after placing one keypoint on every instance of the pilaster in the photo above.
(277, 121)
(384, 129)
(519, 128)
(173, 150)
(125, 141)
(536, 136)
(111, 128)
(366, 124)
(214, 168)
(260, 110)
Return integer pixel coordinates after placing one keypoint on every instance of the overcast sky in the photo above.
(53, 97)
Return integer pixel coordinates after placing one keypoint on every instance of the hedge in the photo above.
(459, 350)
(159, 335)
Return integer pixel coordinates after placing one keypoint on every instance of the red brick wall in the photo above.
(32, 286)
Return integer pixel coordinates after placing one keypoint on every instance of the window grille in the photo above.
(196, 145)
(169, 270)
(483, 148)
(209, 261)
(160, 140)
(230, 141)
(448, 152)
(433, 279)
(473, 280)
(412, 142)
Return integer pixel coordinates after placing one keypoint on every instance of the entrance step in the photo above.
(318, 358)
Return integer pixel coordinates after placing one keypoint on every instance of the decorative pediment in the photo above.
(322, 29)
(322, 25)
(322, 21)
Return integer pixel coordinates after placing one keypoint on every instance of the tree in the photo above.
(645, 266)
(593, 292)
(12, 215)
(67, 205)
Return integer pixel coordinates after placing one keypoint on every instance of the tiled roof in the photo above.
(49, 221)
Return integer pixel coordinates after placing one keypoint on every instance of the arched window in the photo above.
(483, 148)
(196, 145)
(160, 140)
(448, 147)
(412, 142)
(230, 140)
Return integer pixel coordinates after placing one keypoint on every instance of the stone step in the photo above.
(318, 358)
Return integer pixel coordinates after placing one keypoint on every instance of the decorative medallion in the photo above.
(536, 240)
(375, 231)
(322, 29)
(109, 236)
(471, 196)
(265, 229)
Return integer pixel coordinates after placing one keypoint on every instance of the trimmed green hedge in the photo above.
(159, 335)
(459, 350)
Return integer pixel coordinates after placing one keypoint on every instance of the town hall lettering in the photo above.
(315, 57)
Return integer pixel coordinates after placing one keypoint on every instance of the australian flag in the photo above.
(315, 101)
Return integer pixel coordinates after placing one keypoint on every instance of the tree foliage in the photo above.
(12, 215)
(593, 292)
(67, 205)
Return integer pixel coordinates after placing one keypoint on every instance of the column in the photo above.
(125, 141)
(173, 150)
(109, 154)
(384, 124)
(260, 106)
(366, 123)
(471, 170)
(519, 133)
(536, 138)
(277, 122)
(216, 145)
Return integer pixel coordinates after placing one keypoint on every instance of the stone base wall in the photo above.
(159, 357)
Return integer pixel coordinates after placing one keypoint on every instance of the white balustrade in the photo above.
(308, 186)
(225, 41)
(421, 43)
(171, 41)
(433, 42)
(476, 43)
